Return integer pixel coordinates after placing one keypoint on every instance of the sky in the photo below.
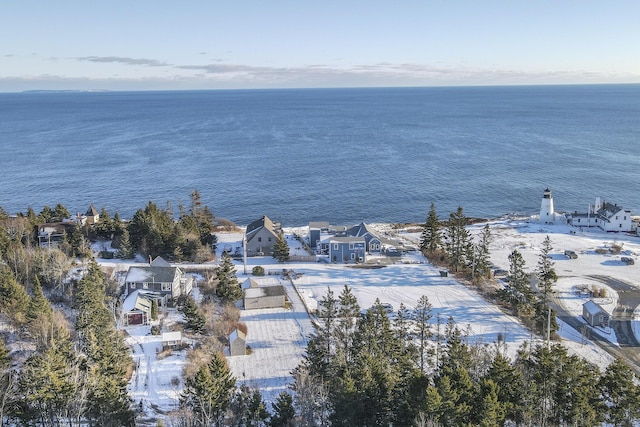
(174, 45)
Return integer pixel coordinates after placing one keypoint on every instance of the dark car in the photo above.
(570, 254)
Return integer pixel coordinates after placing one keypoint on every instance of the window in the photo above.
(269, 238)
(145, 286)
(625, 218)
(259, 239)
(335, 246)
(616, 217)
(351, 246)
(620, 225)
(166, 287)
(133, 285)
(353, 256)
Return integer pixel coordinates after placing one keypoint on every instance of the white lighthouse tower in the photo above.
(547, 215)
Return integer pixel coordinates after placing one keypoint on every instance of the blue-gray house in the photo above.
(373, 242)
(347, 249)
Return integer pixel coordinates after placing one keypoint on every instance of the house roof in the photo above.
(151, 274)
(172, 336)
(260, 223)
(160, 262)
(347, 239)
(360, 230)
(318, 224)
(265, 291)
(137, 301)
(593, 308)
(237, 334)
(92, 211)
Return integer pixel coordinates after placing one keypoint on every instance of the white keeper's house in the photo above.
(606, 216)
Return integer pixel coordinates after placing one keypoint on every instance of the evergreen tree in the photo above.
(154, 310)
(457, 240)
(621, 394)
(545, 273)
(59, 213)
(431, 236)
(195, 319)
(422, 315)
(39, 307)
(283, 411)
(46, 386)
(247, 408)
(14, 299)
(125, 251)
(208, 393)
(228, 287)
(518, 289)
(547, 277)
(348, 312)
(281, 249)
(480, 258)
(510, 387)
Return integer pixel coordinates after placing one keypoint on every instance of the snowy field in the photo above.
(277, 337)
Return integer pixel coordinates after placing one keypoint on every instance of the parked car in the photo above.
(570, 254)
(627, 260)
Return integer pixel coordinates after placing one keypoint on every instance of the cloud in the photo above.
(125, 60)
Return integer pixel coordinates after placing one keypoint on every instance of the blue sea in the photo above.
(340, 155)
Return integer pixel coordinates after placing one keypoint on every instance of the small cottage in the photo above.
(237, 343)
(594, 314)
(171, 340)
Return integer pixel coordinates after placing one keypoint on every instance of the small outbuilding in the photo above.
(171, 340)
(237, 343)
(594, 314)
(264, 297)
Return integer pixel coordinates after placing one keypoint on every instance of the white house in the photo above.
(606, 216)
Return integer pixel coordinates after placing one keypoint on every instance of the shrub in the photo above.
(155, 330)
(257, 271)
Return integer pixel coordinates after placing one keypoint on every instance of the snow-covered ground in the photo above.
(277, 338)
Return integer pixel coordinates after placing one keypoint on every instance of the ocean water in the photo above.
(340, 155)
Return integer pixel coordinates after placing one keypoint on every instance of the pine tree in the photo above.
(621, 394)
(14, 299)
(458, 241)
(228, 287)
(547, 276)
(481, 254)
(283, 411)
(431, 236)
(125, 251)
(281, 249)
(422, 316)
(154, 310)
(208, 393)
(348, 312)
(195, 319)
(518, 289)
(39, 307)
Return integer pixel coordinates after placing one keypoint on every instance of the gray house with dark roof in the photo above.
(159, 277)
(261, 235)
(373, 242)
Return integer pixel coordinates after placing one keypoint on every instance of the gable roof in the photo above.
(92, 211)
(360, 230)
(265, 291)
(151, 274)
(347, 239)
(159, 262)
(593, 308)
(237, 334)
(262, 223)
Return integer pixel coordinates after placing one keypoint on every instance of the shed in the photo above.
(594, 314)
(171, 340)
(264, 297)
(237, 343)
